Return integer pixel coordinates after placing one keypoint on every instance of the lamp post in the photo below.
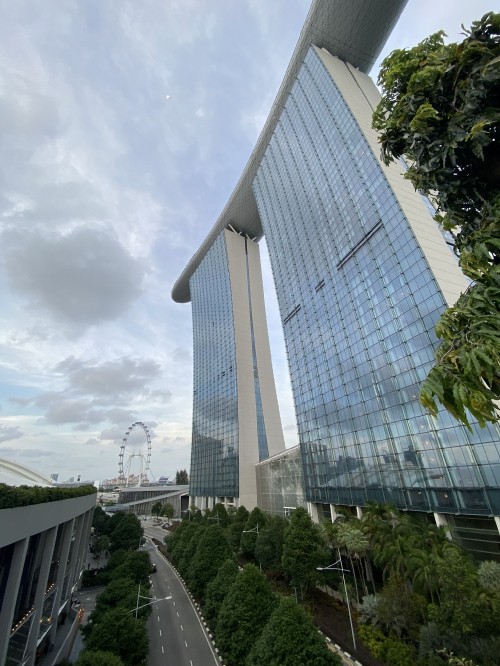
(152, 601)
(254, 530)
(333, 567)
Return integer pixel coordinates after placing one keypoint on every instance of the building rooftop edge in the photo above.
(352, 30)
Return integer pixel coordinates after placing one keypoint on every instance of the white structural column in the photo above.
(41, 587)
(83, 545)
(441, 521)
(74, 551)
(250, 326)
(64, 547)
(11, 590)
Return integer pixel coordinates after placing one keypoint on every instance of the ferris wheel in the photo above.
(135, 455)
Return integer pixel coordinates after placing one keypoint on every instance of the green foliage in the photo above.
(181, 477)
(269, 544)
(217, 590)
(136, 566)
(167, 510)
(440, 109)
(99, 520)
(98, 658)
(237, 526)
(399, 610)
(102, 543)
(125, 531)
(291, 639)
(118, 632)
(156, 508)
(189, 551)
(213, 549)
(389, 650)
(244, 613)
(256, 521)
(302, 550)
(218, 515)
(489, 576)
(14, 496)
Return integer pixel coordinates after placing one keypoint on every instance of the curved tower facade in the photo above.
(236, 421)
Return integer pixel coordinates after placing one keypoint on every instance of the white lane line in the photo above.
(186, 643)
(182, 628)
(190, 663)
(160, 632)
(173, 602)
(216, 660)
(162, 649)
(158, 618)
(177, 613)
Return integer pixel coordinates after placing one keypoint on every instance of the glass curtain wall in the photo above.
(359, 304)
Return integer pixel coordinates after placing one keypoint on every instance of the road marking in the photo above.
(160, 632)
(186, 643)
(173, 602)
(177, 613)
(162, 649)
(182, 628)
(158, 618)
(190, 663)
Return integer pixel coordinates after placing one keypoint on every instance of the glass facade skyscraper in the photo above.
(359, 301)
(362, 274)
(236, 419)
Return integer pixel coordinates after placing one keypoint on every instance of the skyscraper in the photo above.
(236, 418)
(362, 274)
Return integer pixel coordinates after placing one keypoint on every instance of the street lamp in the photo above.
(152, 601)
(333, 567)
(254, 530)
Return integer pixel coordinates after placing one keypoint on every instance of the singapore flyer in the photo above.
(135, 456)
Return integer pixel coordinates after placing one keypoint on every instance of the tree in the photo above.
(217, 590)
(99, 520)
(98, 658)
(102, 543)
(237, 527)
(136, 566)
(118, 632)
(256, 521)
(127, 532)
(269, 545)
(291, 639)
(244, 613)
(213, 549)
(302, 550)
(168, 511)
(440, 110)
(156, 509)
(181, 477)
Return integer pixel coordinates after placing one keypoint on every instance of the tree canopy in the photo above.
(440, 109)
(244, 613)
(291, 639)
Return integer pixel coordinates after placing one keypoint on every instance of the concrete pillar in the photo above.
(41, 586)
(333, 513)
(359, 512)
(497, 522)
(65, 544)
(84, 545)
(11, 592)
(75, 552)
(312, 509)
(441, 521)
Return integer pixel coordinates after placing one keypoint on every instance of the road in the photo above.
(177, 636)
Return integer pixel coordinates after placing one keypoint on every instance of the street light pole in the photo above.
(332, 567)
(150, 603)
(255, 530)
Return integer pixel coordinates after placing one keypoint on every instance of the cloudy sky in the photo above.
(124, 126)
